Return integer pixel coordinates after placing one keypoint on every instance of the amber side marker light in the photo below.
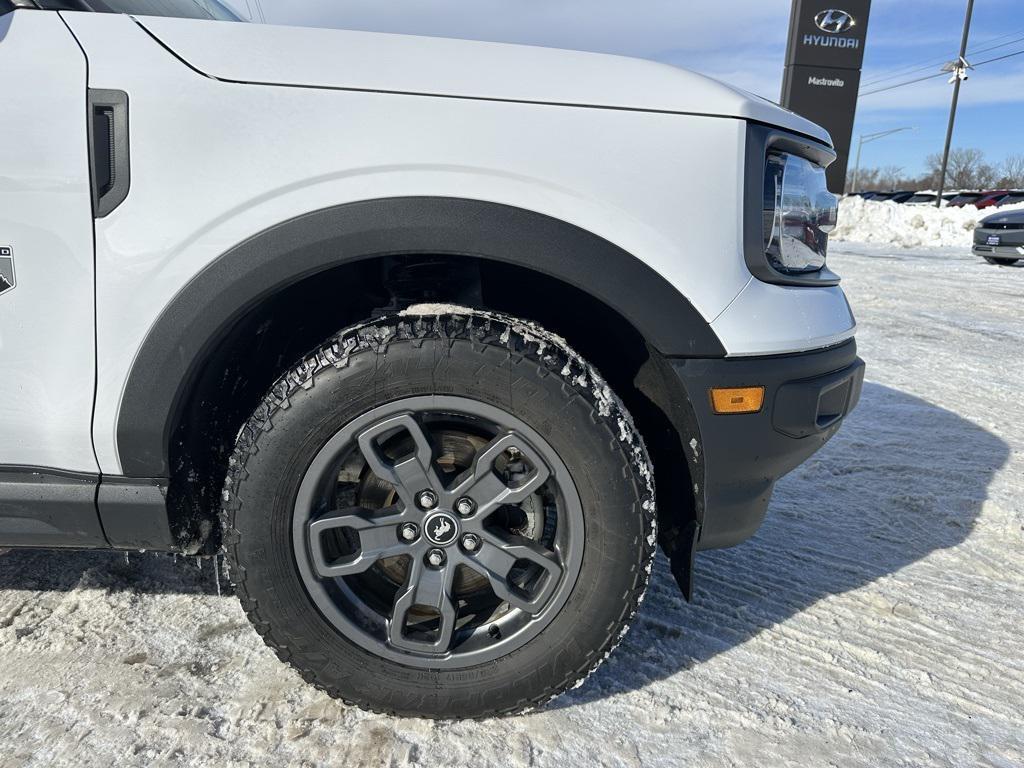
(737, 399)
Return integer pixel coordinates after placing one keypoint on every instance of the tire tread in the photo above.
(531, 349)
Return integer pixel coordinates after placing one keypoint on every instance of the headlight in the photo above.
(798, 214)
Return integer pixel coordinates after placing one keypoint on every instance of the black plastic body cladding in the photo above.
(48, 508)
(134, 513)
(42, 507)
(806, 398)
(284, 254)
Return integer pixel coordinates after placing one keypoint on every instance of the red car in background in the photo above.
(992, 197)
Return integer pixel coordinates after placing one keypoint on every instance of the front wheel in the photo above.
(442, 516)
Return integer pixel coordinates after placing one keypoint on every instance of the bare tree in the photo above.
(887, 179)
(986, 177)
(966, 169)
(867, 178)
(890, 176)
(930, 179)
(1012, 172)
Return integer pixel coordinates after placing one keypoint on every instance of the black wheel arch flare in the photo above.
(174, 351)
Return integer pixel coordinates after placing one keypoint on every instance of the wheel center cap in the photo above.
(441, 528)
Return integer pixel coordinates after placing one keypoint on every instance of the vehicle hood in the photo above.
(373, 61)
(1013, 216)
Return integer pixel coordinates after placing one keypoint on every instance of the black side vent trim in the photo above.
(109, 162)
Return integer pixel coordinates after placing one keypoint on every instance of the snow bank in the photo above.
(909, 226)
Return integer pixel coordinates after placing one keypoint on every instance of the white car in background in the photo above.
(928, 197)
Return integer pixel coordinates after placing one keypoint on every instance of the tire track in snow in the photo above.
(874, 620)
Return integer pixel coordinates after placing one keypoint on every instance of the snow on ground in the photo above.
(909, 226)
(876, 620)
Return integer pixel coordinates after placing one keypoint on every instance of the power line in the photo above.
(900, 85)
(937, 74)
(902, 73)
(999, 58)
(911, 69)
(993, 47)
(937, 63)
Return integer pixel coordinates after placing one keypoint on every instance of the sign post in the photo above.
(822, 75)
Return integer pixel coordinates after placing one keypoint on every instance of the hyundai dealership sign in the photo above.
(834, 21)
(823, 60)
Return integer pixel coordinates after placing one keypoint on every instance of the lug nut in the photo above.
(465, 506)
(435, 557)
(408, 532)
(426, 499)
(471, 542)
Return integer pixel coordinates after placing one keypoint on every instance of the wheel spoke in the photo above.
(449, 574)
(496, 559)
(410, 474)
(430, 588)
(378, 538)
(489, 491)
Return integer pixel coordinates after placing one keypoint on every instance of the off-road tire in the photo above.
(498, 360)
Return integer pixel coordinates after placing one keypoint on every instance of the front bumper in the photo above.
(807, 395)
(999, 243)
(999, 251)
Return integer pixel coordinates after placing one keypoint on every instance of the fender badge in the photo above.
(7, 281)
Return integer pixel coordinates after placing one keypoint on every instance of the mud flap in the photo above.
(681, 555)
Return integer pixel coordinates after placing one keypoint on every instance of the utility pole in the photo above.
(959, 69)
(867, 138)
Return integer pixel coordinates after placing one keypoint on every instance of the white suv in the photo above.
(409, 328)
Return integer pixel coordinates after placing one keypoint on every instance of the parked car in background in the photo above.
(965, 198)
(922, 198)
(957, 199)
(991, 198)
(999, 238)
(1014, 198)
(900, 196)
(927, 197)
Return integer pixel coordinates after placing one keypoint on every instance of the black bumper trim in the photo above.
(807, 395)
(805, 408)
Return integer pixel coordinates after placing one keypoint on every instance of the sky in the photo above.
(743, 42)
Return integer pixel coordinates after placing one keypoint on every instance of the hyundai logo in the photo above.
(834, 21)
